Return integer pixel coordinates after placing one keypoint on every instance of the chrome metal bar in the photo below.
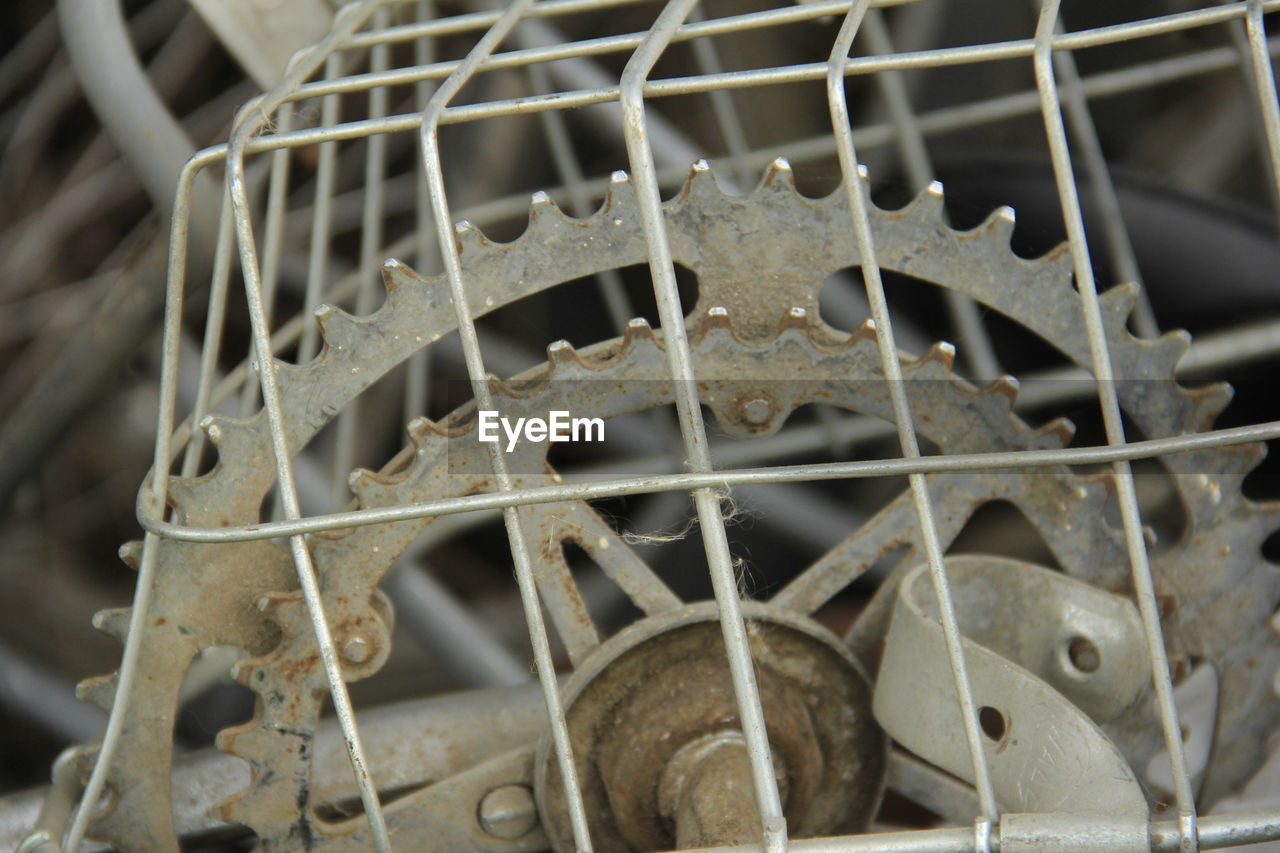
(852, 179)
(156, 490)
(375, 170)
(693, 431)
(417, 376)
(434, 170)
(321, 227)
(1100, 357)
(273, 246)
(976, 346)
(1114, 232)
(212, 343)
(1265, 84)
(1011, 460)
(247, 123)
(930, 58)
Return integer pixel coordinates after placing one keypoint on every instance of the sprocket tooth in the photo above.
(364, 485)
(131, 553)
(638, 329)
(397, 276)
(942, 353)
(779, 176)
(1118, 302)
(796, 317)
(620, 197)
(866, 331)
(999, 226)
(183, 494)
(338, 328)
(1058, 432)
(716, 318)
(544, 215)
(99, 690)
(469, 239)
(1210, 402)
(1007, 387)
(561, 352)
(700, 183)
(929, 205)
(214, 428)
(113, 621)
(422, 431)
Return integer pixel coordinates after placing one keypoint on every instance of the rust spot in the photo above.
(161, 621)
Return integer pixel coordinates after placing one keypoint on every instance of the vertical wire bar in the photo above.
(964, 312)
(273, 243)
(1239, 31)
(723, 109)
(692, 429)
(159, 495)
(287, 489)
(375, 169)
(322, 218)
(433, 167)
(1100, 356)
(417, 376)
(1265, 85)
(612, 291)
(1114, 232)
(852, 179)
(212, 338)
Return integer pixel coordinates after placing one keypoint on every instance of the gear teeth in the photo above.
(114, 622)
(717, 318)
(99, 690)
(795, 318)
(562, 352)
(779, 175)
(469, 239)
(422, 430)
(1007, 387)
(361, 481)
(866, 331)
(183, 494)
(943, 353)
(999, 226)
(396, 274)
(1119, 301)
(131, 553)
(700, 182)
(1210, 402)
(544, 213)
(638, 328)
(1058, 432)
(929, 205)
(621, 195)
(337, 327)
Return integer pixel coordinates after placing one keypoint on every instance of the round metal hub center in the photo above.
(654, 724)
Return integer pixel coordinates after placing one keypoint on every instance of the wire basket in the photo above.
(736, 216)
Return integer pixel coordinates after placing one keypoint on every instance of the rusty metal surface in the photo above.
(1220, 592)
(653, 707)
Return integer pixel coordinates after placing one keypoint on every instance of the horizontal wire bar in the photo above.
(472, 22)
(601, 45)
(1215, 833)
(1015, 459)
(808, 72)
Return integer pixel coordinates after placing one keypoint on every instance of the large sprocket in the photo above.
(762, 257)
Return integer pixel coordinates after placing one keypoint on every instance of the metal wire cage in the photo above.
(1004, 689)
